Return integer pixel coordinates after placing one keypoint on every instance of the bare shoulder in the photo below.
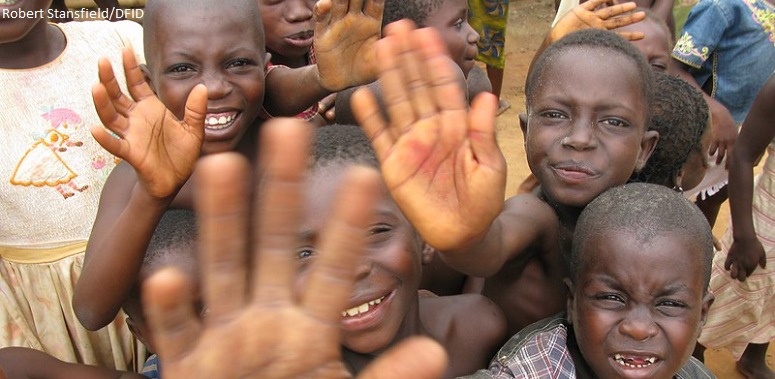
(527, 210)
(463, 316)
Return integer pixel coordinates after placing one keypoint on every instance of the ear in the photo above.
(647, 145)
(267, 60)
(677, 179)
(571, 299)
(707, 301)
(428, 252)
(147, 74)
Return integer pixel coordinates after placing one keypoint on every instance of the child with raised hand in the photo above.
(441, 162)
(282, 329)
(657, 41)
(623, 321)
(742, 280)
(725, 48)
(53, 176)
(681, 117)
(211, 78)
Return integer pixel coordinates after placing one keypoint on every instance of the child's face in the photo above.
(388, 276)
(632, 322)
(586, 126)
(451, 20)
(221, 49)
(655, 46)
(288, 26)
(16, 28)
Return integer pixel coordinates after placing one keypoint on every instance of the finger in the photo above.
(620, 21)
(714, 145)
(106, 110)
(482, 134)
(607, 12)
(135, 79)
(415, 357)
(196, 110)
(108, 79)
(415, 71)
(391, 80)
(374, 9)
(109, 142)
(339, 10)
(167, 301)
(591, 5)
(321, 12)
(445, 78)
(355, 6)
(722, 152)
(342, 244)
(369, 116)
(284, 154)
(632, 36)
(222, 215)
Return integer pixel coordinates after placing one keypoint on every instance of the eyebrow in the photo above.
(670, 289)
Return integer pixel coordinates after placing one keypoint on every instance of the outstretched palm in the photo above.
(440, 160)
(162, 149)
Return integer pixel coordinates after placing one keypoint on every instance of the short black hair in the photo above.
(680, 115)
(415, 10)
(589, 39)
(343, 143)
(644, 211)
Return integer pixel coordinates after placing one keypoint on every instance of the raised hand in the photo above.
(743, 257)
(346, 32)
(723, 130)
(440, 160)
(162, 149)
(257, 325)
(599, 14)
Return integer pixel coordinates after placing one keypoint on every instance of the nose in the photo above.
(364, 268)
(638, 325)
(581, 135)
(298, 10)
(471, 35)
(218, 86)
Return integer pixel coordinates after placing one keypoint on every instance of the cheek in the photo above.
(174, 94)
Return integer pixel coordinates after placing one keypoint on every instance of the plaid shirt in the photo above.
(544, 350)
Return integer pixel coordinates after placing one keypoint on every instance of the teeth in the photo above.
(627, 362)
(214, 122)
(363, 308)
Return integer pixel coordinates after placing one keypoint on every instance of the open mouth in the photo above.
(633, 361)
(363, 308)
(218, 121)
(301, 39)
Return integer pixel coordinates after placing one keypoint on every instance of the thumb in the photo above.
(196, 108)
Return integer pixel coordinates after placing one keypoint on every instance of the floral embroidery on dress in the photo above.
(685, 47)
(763, 16)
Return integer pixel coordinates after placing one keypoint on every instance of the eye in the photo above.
(458, 24)
(379, 229)
(671, 307)
(616, 122)
(553, 114)
(305, 252)
(180, 68)
(658, 66)
(240, 63)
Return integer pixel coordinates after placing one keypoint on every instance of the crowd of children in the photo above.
(173, 219)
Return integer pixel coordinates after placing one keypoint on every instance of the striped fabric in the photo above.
(744, 312)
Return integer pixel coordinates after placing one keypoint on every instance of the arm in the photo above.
(162, 152)
(586, 15)
(345, 34)
(723, 128)
(283, 331)
(24, 363)
(758, 130)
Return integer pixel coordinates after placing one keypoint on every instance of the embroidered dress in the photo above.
(489, 18)
(51, 176)
(744, 312)
(729, 45)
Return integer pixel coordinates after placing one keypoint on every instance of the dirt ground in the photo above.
(529, 20)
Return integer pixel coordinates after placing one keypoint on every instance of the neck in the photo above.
(41, 45)
(292, 62)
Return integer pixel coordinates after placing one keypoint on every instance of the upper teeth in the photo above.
(627, 361)
(363, 308)
(213, 121)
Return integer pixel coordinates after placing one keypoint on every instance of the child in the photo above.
(623, 321)
(185, 49)
(281, 330)
(173, 244)
(657, 41)
(741, 318)
(681, 117)
(726, 48)
(584, 134)
(54, 172)
(385, 308)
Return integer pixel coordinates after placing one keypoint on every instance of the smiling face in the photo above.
(388, 275)
(13, 29)
(220, 47)
(288, 28)
(655, 46)
(586, 127)
(451, 20)
(636, 323)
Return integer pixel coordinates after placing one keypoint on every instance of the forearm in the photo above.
(741, 196)
(304, 85)
(482, 256)
(113, 260)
